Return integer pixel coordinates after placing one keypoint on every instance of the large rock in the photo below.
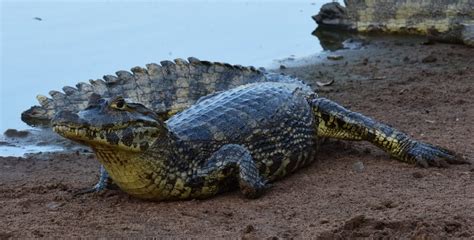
(333, 14)
(445, 20)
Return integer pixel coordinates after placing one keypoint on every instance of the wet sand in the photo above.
(353, 190)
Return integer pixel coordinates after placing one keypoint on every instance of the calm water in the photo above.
(78, 41)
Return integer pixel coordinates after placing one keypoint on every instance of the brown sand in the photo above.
(432, 101)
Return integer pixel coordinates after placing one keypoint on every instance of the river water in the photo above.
(47, 45)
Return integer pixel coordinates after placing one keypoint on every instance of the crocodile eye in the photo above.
(119, 103)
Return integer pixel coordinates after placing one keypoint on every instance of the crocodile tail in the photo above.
(165, 87)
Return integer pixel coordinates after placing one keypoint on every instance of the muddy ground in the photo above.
(354, 190)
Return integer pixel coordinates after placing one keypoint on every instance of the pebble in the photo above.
(358, 166)
(335, 57)
(429, 59)
(249, 228)
(417, 175)
(53, 205)
(13, 133)
(365, 61)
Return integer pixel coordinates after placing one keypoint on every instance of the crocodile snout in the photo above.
(69, 118)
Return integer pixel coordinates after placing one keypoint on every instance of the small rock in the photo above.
(355, 222)
(379, 225)
(365, 61)
(335, 57)
(402, 91)
(389, 204)
(452, 226)
(428, 42)
(282, 67)
(429, 59)
(249, 228)
(358, 166)
(323, 84)
(53, 205)
(417, 175)
(13, 133)
(228, 214)
(324, 221)
(3, 143)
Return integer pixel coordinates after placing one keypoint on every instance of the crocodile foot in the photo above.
(425, 155)
(254, 190)
(104, 183)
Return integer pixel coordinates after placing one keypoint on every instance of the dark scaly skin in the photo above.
(244, 137)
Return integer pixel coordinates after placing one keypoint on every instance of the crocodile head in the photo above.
(111, 123)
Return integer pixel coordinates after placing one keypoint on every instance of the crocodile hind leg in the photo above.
(336, 121)
(232, 162)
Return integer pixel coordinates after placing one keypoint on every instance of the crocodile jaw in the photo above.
(96, 129)
(130, 138)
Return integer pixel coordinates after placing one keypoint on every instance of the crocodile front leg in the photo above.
(105, 182)
(336, 121)
(230, 163)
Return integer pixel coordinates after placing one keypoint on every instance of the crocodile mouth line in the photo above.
(78, 131)
(109, 127)
(81, 132)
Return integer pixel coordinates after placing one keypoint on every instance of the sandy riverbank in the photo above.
(396, 82)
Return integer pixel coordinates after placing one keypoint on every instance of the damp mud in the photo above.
(354, 190)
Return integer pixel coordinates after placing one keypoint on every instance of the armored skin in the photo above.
(245, 137)
(166, 88)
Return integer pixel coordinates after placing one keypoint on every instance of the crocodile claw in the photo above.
(84, 191)
(426, 155)
(96, 189)
(256, 190)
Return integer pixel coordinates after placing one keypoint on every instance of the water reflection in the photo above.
(333, 39)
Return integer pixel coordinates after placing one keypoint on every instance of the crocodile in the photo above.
(246, 137)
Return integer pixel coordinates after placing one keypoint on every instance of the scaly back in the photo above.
(169, 87)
